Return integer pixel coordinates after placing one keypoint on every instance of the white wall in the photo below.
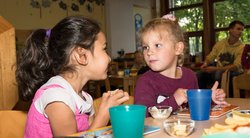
(120, 24)
(24, 17)
(116, 18)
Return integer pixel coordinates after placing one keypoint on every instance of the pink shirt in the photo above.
(37, 125)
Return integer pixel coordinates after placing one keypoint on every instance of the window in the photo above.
(234, 10)
(206, 21)
(181, 3)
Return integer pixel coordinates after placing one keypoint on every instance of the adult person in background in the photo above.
(225, 55)
(139, 64)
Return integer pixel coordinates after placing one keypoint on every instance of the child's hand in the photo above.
(218, 95)
(109, 99)
(113, 98)
(180, 96)
(117, 97)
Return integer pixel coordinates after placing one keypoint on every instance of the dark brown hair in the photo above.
(46, 55)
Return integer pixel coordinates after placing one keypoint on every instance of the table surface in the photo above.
(199, 125)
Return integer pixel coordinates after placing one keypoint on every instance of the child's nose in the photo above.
(150, 52)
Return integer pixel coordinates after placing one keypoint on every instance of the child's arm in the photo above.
(91, 119)
(109, 99)
(61, 118)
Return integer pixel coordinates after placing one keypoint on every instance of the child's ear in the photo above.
(81, 56)
(179, 48)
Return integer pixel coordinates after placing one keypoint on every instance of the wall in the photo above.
(120, 24)
(115, 18)
(23, 16)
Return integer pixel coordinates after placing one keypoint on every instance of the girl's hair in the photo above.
(167, 28)
(47, 52)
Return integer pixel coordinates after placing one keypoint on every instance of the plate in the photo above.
(241, 111)
(227, 135)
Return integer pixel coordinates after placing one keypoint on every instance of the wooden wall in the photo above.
(8, 87)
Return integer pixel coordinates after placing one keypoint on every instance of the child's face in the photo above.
(100, 59)
(159, 51)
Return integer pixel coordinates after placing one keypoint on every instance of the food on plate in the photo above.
(180, 129)
(160, 112)
(238, 122)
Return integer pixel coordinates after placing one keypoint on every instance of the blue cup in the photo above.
(127, 120)
(199, 101)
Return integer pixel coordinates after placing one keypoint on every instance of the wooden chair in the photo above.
(126, 83)
(12, 123)
(241, 82)
(97, 103)
(225, 79)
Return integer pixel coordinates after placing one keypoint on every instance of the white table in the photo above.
(199, 125)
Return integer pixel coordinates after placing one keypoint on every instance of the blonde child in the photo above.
(53, 69)
(166, 83)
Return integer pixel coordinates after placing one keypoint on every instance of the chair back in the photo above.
(12, 123)
(225, 79)
(241, 82)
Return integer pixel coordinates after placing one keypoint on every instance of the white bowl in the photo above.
(179, 127)
(160, 112)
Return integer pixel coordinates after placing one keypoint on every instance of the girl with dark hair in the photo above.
(52, 70)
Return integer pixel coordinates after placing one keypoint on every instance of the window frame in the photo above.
(208, 33)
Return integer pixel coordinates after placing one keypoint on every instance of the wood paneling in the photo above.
(8, 87)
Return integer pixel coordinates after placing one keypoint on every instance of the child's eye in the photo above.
(145, 47)
(158, 45)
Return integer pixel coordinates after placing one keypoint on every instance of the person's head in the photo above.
(236, 28)
(163, 44)
(72, 44)
(139, 57)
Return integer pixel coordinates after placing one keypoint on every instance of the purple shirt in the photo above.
(152, 84)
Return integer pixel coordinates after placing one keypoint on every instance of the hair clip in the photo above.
(169, 17)
(48, 31)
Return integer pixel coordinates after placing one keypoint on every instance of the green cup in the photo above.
(127, 120)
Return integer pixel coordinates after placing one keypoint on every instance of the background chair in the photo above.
(97, 103)
(225, 80)
(12, 123)
(241, 82)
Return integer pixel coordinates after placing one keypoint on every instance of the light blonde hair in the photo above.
(166, 28)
